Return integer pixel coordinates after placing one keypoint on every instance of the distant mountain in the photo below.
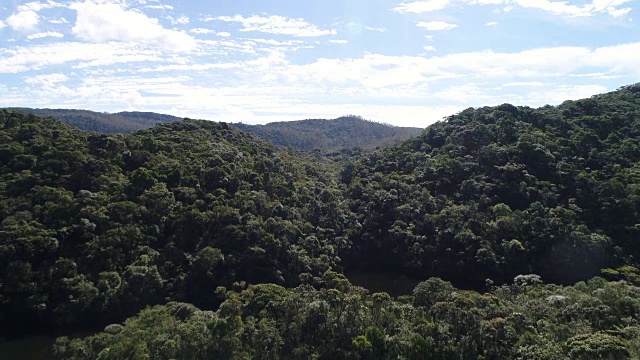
(343, 132)
(122, 122)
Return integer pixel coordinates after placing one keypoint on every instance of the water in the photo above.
(393, 284)
(29, 348)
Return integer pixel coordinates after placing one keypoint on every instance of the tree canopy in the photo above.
(228, 247)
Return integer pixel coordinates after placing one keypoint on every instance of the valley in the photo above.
(499, 232)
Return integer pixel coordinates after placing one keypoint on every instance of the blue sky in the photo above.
(405, 63)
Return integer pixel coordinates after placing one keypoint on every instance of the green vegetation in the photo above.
(226, 247)
(122, 122)
(588, 321)
(97, 226)
(341, 133)
(491, 193)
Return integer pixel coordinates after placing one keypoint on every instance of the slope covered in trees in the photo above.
(96, 226)
(344, 132)
(244, 243)
(122, 122)
(499, 191)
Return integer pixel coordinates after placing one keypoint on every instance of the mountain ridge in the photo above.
(343, 132)
(311, 134)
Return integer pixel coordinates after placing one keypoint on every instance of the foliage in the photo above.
(95, 227)
(494, 192)
(246, 245)
(340, 133)
(272, 322)
(122, 122)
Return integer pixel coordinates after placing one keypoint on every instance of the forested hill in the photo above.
(344, 132)
(118, 222)
(497, 191)
(242, 245)
(122, 122)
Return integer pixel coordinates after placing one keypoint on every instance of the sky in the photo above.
(405, 63)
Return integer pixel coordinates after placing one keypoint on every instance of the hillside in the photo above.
(344, 132)
(120, 222)
(122, 122)
(228, 247)
(499, 191)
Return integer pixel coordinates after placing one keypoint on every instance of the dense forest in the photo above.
(195, 240)
(340, 133)
(314, 134)
(121, 122)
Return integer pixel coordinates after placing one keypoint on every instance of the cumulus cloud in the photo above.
(111, 22)
(25, 21)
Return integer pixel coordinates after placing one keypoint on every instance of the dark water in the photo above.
(29, 348)
(37, 347)
(393, 284)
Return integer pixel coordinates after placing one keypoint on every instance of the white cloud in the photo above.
(339, 41)
(38, 6)
(484, 66)
(107, 22)
(561, 93)
(182, 20)
(26, 17)
(59, 21)
(82, 55)
(610, 7)
(421, 6)
(201, 31)
(223, 34)
(462, 94)
(133, 98)
(2, 24)
(487, 2)
(26, 20)
(44, 35)
(436, 25)
(46, 80)
(275, 24)
(564, 8)
(523, 83)
(492, 23)
(375, 29)
(159, 7)
(430, 48)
